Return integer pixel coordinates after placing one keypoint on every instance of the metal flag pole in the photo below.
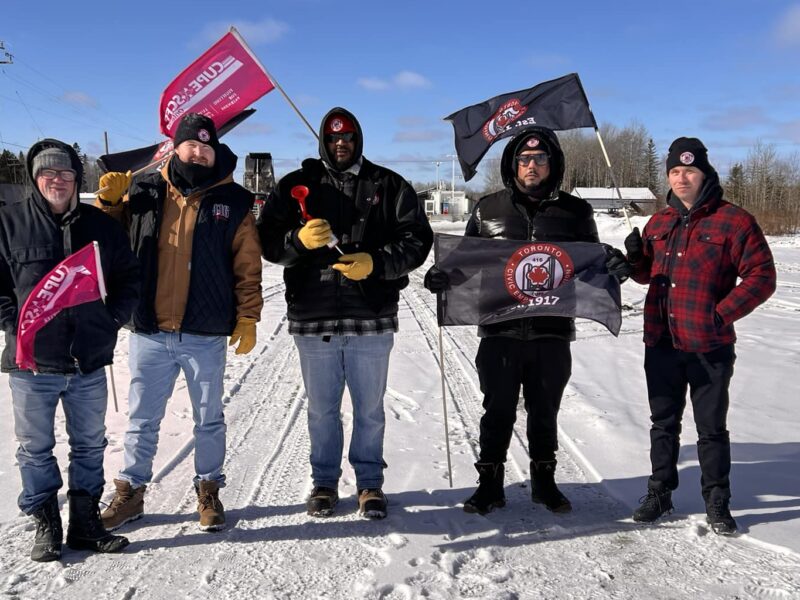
(444, 409)
(274, 82)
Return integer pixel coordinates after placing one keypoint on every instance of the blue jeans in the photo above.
(35, 398)
(362, 362)
(155, 362)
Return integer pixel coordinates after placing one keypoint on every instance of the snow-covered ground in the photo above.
(428, 547)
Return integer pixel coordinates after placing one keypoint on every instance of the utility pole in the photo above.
(6, 59)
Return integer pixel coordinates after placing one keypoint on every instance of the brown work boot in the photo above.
(372, 503)
(212, 514)
(127, 505)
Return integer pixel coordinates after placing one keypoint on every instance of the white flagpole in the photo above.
(101, 282)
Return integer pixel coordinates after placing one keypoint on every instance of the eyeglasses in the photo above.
(66, 175)
(332, 138)
(524, 160)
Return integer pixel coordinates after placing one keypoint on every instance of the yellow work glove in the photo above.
(315, 234)
(117, 184)
(354, 266)
(245, 334)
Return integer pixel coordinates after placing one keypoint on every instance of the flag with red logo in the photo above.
(220, 84)
(75, 280)
(133, 160)
(492, 281)
(557, 104)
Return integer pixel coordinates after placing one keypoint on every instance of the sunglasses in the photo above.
(331, 138)
(66, 175)
(524, 160)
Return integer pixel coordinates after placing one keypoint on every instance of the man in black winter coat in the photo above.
(342, 309)
(531, 352)
(70, 351)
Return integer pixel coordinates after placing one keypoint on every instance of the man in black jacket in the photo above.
(70, 351)
(531, 352)
(343, 308)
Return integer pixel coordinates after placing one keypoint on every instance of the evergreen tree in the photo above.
(735, 184)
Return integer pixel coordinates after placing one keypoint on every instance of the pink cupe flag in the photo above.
(75, 280)
(220, 84)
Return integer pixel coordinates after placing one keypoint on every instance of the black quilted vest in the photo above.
(211, 302)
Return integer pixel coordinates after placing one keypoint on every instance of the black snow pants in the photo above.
(542, 368)
(707, 375)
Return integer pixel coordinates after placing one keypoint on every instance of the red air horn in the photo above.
(300, 193)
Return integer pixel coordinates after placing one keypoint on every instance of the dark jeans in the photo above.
(707, 375)
(542, 368)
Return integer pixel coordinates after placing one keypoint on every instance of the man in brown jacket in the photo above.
(191, 227)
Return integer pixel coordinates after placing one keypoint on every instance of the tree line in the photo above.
(765, 183)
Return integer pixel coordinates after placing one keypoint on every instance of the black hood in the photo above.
(224, 166)
(710, 192)
(359, 139)
(508, 169)
(51, 143)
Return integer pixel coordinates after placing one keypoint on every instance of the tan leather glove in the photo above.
(113, 186)
(315, 234)
(354, 266)
(245, 334)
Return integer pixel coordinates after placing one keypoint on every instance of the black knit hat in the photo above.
(688, 152)
(532, 142)
(194, 126)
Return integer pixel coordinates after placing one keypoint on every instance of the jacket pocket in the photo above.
(33, 263)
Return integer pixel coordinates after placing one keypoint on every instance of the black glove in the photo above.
(634, 246)
(617, 265)
(436, 280)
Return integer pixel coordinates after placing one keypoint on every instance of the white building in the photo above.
(444, 202)
(606, 199)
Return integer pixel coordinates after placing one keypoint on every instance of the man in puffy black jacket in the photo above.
(531, 352)
(343, 308)
(70, 351)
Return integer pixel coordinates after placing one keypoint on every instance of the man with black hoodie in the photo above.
(70, 351)
(691, 253)
(531, 352)
(342, 308)
(192, 229)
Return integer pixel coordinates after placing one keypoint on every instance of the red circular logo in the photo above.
(336, 125)
(687, 158)
(203, 135)
(536, 268)
(532, 143)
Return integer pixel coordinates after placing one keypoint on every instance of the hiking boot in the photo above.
(544, 489)
(49, 533)
(718, 516)
(372, 503)
(127, 505)
(86, 531)
(490, 493)
(212, 513)
(322, 501)
(653, 505)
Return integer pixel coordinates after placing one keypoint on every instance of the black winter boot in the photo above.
(655, 504)
(544, 489)
(49, 533)
(86, 531)
(718, 516)
(490, 493)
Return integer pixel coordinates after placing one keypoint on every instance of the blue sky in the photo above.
(725, 71)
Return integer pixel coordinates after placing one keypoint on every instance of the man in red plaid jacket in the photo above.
(691, 253)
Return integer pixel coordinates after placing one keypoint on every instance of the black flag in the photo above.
(558, 104)
(133, 160)
(498, 280)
